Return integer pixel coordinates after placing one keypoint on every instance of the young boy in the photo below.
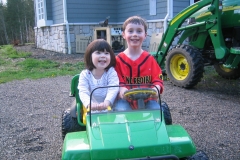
(134, 65)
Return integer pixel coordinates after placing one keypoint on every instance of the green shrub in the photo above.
(10, 52)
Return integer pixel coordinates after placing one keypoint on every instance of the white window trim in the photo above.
(43, 22)
(191, 2)
(152, 7)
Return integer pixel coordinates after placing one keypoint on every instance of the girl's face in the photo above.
(134, 34)
(101, 59)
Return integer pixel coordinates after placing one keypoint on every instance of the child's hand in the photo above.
(154, 88)
(100, 106)
(94, 106)
(104, 105)
(122, 90)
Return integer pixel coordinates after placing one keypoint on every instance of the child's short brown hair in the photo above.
(135, 20)
(98, 45)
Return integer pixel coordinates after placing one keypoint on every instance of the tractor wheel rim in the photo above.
(225, 69)
(179, 67)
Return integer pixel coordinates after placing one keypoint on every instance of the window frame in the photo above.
(192, 2)
(41, 11)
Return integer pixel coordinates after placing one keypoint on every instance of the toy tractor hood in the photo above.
(127, 135)
(134, 133)
(131, 128)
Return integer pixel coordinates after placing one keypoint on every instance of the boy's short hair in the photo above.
(98, 45)
(135, 20)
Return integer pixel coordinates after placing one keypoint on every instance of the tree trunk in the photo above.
(27, 39)
(4, 26)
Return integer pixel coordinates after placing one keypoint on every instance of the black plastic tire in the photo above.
(200, 155)
(166, 113)
(184, 66)
(227, 73)
(70, 124)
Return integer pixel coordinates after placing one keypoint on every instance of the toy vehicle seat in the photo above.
(79, 106)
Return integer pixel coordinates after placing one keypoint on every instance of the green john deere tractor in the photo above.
(213, 35)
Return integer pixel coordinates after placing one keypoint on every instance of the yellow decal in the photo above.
(160, 76)
(182, 14)
(214, 31)
(204, 14)
(229, 8)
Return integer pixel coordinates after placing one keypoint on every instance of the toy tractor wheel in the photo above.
(70, 124)
(184, 66)
(166, 113)
(200, 155)
(227, 72)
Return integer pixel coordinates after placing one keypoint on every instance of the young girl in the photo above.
(99, 60)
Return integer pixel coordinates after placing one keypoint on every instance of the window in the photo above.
(193, 1)
(40, 9)
(42, 14)
(152, 7)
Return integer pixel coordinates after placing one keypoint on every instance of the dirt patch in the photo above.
(50, 55)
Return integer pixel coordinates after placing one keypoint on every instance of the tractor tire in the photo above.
(184, 66)
(200, 155)
(227, 73)
(166, 113)
(70, 124)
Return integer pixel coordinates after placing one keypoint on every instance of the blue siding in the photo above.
(57, 11)
(179, 5)
(128, 8)
(91, 11)
(94, 11)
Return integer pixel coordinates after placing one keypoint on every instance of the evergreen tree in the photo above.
(18, 17)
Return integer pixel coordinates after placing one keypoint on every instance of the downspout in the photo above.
(67, 26)
(165, 23)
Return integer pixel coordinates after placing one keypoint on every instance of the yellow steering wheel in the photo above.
(139, 94)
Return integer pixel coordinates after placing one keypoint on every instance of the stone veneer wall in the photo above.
(54, 38)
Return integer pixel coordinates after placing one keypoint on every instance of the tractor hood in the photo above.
(132, 133)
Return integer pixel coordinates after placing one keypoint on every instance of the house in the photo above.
(67, 26)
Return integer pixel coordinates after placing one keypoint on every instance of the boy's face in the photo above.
(134, 34)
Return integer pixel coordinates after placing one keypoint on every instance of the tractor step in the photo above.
(235, 50)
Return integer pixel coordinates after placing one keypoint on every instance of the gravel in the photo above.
(30, 117)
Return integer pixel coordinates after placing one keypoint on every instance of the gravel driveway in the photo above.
(30, 117)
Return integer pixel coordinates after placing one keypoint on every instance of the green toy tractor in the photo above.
(213, 35)
(135, 134)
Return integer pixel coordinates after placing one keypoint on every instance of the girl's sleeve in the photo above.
(113, 80)
(157, 78)
(83, 87)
